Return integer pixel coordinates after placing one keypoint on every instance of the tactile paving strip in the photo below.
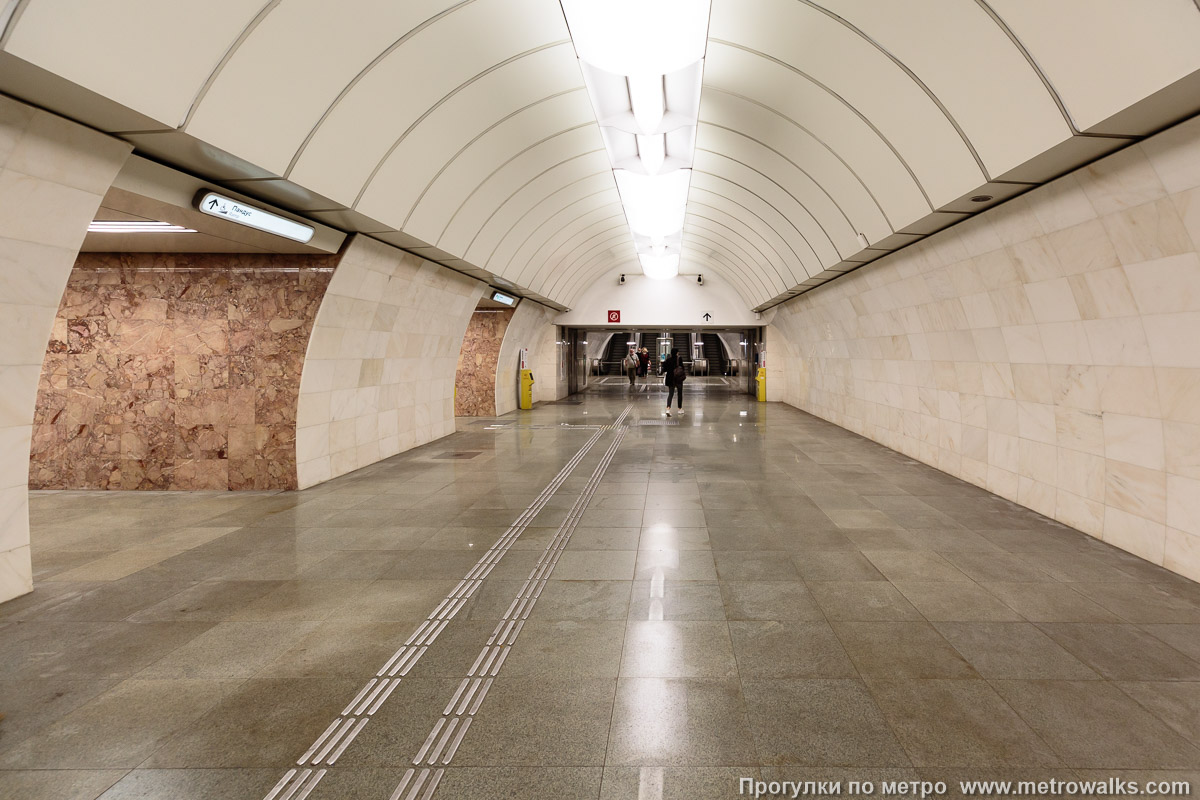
(298, 784)
(448, 732)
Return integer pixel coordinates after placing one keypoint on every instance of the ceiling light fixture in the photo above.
(659, 267)
(643, 65)
(134, 226)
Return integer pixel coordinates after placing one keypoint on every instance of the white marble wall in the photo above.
(531, 326)
(550, 366)
(379, 375)
(1048, 350)
(53, 175)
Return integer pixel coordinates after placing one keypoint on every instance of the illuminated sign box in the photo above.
(216, 205)
(503, 298)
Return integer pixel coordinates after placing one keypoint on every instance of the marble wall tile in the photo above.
(389, 314)
(181, 371)
(475, 377)
(531, 327)
(1081, 304)
(53, 176)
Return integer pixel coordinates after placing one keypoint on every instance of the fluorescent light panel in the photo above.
(134, 226)
(643, 64)
(638, 37)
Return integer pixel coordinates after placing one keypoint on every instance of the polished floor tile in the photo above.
(901, 650)
(1093, 724)
(680, 721)
(798, 604)
(958, 723)
(58, 784)
(819, 723)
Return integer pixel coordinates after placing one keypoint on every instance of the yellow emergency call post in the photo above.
(526, 397)
(526, 389)
(761, 378)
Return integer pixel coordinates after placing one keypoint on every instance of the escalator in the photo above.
(614, 354)
(714, 351)
(683, 341)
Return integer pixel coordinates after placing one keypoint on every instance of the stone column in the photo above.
(53, 175)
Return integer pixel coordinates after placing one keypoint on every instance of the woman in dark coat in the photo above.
(676, 374)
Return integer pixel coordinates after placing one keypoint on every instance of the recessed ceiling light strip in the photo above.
(643, 65)
(134, 226)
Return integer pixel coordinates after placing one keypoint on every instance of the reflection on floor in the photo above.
(584, 602)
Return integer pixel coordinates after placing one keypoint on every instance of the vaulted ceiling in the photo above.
(462, 130)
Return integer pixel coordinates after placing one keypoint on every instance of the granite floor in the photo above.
(589, 600)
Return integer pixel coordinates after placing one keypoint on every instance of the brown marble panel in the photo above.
(176, 371)
(475, 381)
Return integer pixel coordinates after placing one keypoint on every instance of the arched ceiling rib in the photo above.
(461, 129)
(542, 191)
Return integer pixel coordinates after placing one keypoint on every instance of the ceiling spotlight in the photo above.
(981, 198)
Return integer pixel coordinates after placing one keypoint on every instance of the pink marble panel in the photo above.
(475, 381)
(176, 371)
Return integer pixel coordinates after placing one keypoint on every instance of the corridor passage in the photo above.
(589, 600)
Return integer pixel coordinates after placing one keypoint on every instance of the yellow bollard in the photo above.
(526, 389)
(761, 378)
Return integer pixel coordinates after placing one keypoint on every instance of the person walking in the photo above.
(676, 374)
(630, 365)
(643, 362)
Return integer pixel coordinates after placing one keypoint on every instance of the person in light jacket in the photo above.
(675, 374)
(630, 365)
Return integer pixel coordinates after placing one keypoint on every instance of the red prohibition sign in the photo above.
(614, 316)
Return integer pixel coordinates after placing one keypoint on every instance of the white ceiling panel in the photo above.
(263, 106)
(561, 273)
(460, 129)
(478, 233)
(847, 133)
(578, 197)
(1105, 55)
(793, 252)
(149, 55)
(494, 189)
(412, 80)
(840, 233)
(580, 274)
(769, 218)
(436, 188)
(794, 143)
(771, 253)
(820, 48)
(979, 74)
(740, 260)
(533, 203)
(535, 260)
(774, 192)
